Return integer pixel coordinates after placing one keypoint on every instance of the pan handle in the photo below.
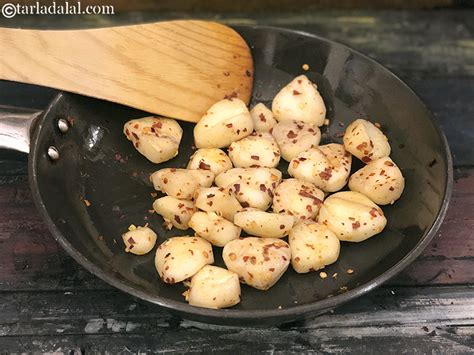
(15, 124)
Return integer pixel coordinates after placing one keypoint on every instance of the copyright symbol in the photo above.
(8, 10)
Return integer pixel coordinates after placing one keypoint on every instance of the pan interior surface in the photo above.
(100, 168)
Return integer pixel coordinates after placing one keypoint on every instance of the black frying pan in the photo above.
(95, 162)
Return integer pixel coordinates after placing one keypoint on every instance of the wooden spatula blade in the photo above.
(176, 69)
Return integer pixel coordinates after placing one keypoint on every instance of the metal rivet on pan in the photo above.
(62, 125)
(53, 153)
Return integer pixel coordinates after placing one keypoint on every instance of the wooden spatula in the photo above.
(176, 69)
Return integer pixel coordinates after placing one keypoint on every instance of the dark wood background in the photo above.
(258, 5)
(49, 303)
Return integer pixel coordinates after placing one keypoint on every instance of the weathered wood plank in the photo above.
(370, 340)
(31, 260)
(449, 100)
(423, 319)
(449, 259)
(260, 5)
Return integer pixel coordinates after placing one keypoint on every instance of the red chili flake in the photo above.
(210, 203)
(355, 225)
(210, 195)
(165, 180)
(136, 126)
(270, 193)
(292, 134)
(229, 125)
(271, 269)
(158, 125)
(305, 193)
(262, 117)
(373, 212)
(192, 253)
(250, 274)
(366, 159)
(371, 174)
(167, 255)
(177, 219)
(391, 188)
(248, 73)
(309, 208)
(263, 188)
(135, 136)
(282, 226)
(296, 92)
(326, 174)
(226, 73)
(245, 258)
(302, 159)
(245, 204)
(131, 240)
(253, 260)
(173, 170)
(382, 172)
(362, 146)
(297, 259)
(255, 157)
(180, 205)
(204, 166)
(388, 163)
(237, 188)
(238, 131)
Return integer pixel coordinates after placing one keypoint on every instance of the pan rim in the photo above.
(294, 312)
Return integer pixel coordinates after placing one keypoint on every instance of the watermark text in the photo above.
(10, 10)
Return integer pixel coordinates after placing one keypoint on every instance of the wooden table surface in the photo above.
(49, 303)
